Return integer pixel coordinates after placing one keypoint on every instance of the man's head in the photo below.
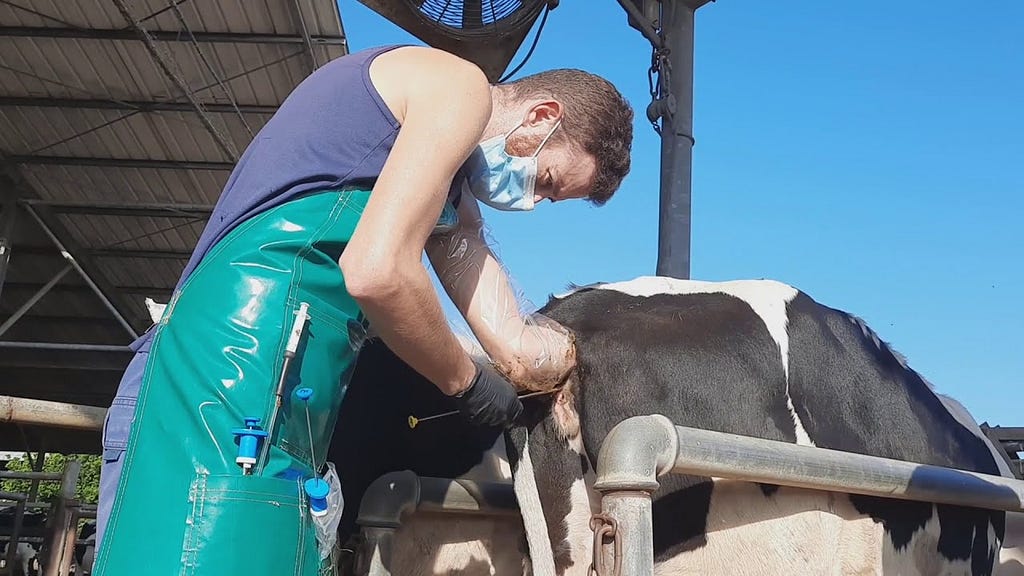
(590, 126)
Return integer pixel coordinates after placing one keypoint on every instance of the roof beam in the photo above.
(122, 162)
(63, 356)
(60, 236)
(296, 11)
(163, 62)
(167, 35)
(43, 251)
(133, 253)
(139, 210)
(140, 105)
(21, 288)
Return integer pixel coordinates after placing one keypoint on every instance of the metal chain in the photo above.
(654, 87)
(657, 82)
(604, 526)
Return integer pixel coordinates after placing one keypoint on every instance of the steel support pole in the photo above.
(222, 141)
(7, 237)
(63, 346)
(297, 12)
(71, 260)
(676, 139)
(62, 527)
(32, 301)
(51, 414)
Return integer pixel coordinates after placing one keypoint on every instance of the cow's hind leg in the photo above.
(549, 459)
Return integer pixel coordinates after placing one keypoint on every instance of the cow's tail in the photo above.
(525, 481)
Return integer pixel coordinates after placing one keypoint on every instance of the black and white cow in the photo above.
(758, 358)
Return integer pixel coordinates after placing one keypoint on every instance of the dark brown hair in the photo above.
(596, 118)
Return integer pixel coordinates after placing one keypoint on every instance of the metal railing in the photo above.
(391, 498)
(59, 536)
(640, 449)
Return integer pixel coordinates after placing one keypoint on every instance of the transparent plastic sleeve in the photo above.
(534, 352)
(327, 525)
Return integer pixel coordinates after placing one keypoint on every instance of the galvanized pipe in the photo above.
(393, 496)
(43, 291)
(676, 139)
(64, 346)
(379, 544)
(13, 496)
(15, 475)
(7, 222)
(770, 461)
(640, 449)
(63, 524)
(55, 414)
(634, 454)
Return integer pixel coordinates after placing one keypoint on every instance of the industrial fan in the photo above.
(486, 32)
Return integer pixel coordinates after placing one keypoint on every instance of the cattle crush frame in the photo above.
(635, 453)
(638, 451)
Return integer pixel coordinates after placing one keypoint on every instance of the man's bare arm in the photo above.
(443, 104)
(533, 352)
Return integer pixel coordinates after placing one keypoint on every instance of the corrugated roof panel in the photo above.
(253, 16)
(63, 304)
(95, 65)
(123, 70)
(142, 272)
(135, 232)
(121, 134)
(90, 183)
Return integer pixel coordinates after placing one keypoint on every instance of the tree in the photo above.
(87, 491)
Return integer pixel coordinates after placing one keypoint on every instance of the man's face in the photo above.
(564, 171)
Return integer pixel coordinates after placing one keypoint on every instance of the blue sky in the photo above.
(872, 158)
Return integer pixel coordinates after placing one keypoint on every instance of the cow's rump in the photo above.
(757, 358)
(762, 359)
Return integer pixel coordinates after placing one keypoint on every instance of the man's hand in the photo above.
(490, 400)
(544, 353)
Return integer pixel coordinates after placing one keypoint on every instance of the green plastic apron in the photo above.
(183, 506)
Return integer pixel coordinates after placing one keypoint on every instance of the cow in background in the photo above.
(26, 559)
(758, 358)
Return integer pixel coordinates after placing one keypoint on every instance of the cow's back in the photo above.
(760, 358)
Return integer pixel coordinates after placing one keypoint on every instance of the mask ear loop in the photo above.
(545, 140)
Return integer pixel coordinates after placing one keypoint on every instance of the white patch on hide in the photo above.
(439, 544)
(1010, 557)
(528, 496)
(920, 556)
(584, 502)
(767, 298)
(796, 532)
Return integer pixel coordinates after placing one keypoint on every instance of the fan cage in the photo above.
(476, 18)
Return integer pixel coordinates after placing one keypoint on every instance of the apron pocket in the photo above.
(247, 525)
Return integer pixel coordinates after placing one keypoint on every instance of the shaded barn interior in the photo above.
(119, 124)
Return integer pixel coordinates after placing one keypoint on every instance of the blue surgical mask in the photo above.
(500, 180)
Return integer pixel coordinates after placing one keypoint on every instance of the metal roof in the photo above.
(119, 124)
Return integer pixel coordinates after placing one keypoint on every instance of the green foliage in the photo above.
(88, 488)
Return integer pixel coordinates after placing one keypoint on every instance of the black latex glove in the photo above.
(490, 399)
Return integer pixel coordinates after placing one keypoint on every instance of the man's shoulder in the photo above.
(434, 62)
(424, 77)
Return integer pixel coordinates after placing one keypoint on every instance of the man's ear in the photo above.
(544, 112)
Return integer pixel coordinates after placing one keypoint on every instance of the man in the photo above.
(215, 442)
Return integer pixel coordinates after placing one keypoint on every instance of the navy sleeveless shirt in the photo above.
(333, 130)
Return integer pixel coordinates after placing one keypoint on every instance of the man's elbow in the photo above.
(369, 283)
